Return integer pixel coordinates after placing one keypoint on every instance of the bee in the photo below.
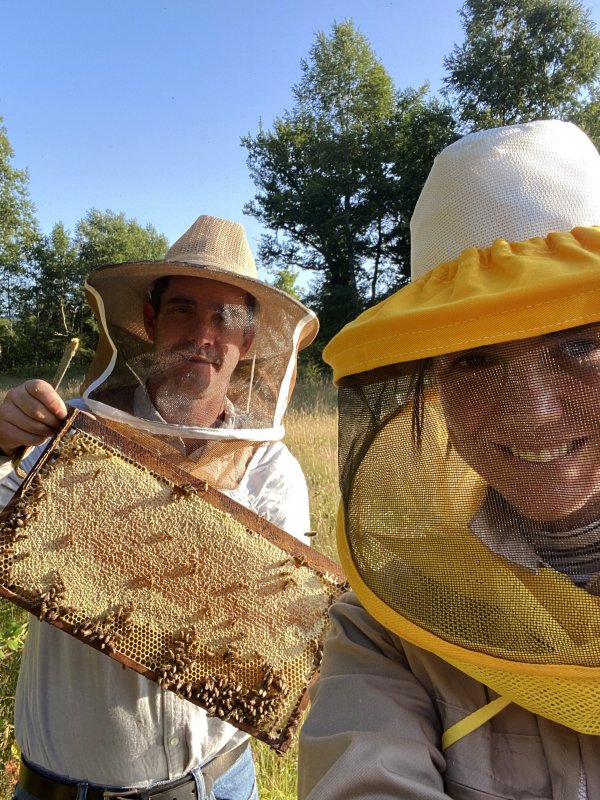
(268, 680)
(310, 534)
(142, 582)
(231, 654)
(179, 492)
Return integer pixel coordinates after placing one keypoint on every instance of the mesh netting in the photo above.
(196, 593)
(471, 487)
(205, 340)
(254, 389)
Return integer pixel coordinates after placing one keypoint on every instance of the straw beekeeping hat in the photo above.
(216, 250)
(212, 248)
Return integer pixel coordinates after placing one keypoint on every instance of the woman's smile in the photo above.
(524, 415)
(546, 455)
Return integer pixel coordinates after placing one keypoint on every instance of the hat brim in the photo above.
(124, 289)
(497, 294)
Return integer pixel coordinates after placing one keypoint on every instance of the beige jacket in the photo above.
(378, 713)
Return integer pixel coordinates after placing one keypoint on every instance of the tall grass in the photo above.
(311, 435)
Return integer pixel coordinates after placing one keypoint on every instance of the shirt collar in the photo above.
(144, 408)
(501, 531)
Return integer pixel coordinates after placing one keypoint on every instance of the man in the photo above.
(197, 352)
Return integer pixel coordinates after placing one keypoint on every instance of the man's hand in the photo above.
(29, 414)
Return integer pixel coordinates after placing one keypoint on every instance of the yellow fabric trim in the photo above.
(540, 616)
(473, 721)
(485, 296)
(565, 693)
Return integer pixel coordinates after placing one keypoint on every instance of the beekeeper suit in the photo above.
(467, 662)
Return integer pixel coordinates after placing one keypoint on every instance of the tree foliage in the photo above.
(18, 228)
(522, 60)
(49, 305)
(332, 177)
(108, 238)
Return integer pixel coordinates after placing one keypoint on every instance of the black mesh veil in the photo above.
(458, 469)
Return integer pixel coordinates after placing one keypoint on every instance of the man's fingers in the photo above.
(29, 414)
(44, 400)
(12, 416)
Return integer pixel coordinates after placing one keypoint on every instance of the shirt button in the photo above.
(174, 741)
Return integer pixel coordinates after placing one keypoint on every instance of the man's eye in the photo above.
(230, 318)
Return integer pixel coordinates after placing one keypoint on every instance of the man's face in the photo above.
(199, 333)
(526, 416)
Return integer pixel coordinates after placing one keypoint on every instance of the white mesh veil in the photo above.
(214, 327)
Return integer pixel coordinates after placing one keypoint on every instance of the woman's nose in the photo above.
(530, 394)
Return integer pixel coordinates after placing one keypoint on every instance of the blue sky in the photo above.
(139, 105)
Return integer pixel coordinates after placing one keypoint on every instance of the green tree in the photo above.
(286, 280)
(51, 306)
(109, 237)
(50, 303)
(328, 176)
(18, 234)
(522, 60)
(588, 116)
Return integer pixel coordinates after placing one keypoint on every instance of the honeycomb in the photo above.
(169, 577)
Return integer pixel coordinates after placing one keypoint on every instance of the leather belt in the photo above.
(45, 788)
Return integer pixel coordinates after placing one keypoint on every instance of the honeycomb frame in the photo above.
(169, 577)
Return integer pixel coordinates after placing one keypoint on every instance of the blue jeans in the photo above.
(238, 783)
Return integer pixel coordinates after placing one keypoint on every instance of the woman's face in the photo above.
(526, 416)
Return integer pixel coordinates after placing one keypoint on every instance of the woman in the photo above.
(467, 663)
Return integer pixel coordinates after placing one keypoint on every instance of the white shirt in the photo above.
(83, 716)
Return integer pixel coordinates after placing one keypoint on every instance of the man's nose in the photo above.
(202, 331)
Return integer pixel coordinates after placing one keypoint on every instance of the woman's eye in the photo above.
(469, 361)
(581, 348)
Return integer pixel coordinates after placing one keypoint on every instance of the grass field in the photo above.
(312, 437)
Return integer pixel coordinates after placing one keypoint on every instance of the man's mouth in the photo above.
(201, 358)
(546, 455)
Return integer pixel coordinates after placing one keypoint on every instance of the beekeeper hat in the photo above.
(212, 249)
(503, 247)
